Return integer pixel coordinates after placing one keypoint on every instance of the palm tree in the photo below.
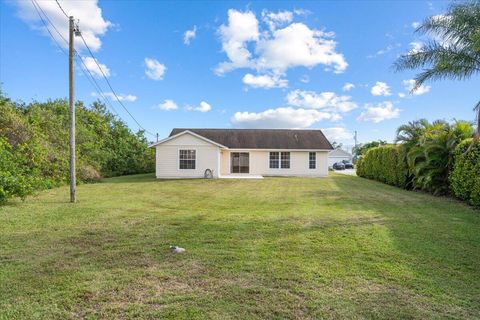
(430, 158)
(455, 54)
(409, 134)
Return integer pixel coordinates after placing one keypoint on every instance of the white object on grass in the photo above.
(176, 249)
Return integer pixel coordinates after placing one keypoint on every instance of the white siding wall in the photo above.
(167, 158)
(259, 164)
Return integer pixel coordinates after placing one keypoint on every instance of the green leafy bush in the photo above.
(430, 159)
(34, 146)
(384, 164)
(465, 176)
(14, 181)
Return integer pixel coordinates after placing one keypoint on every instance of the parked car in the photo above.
(348, 164)
(338, 166)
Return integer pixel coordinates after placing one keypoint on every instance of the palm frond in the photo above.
(455, 52)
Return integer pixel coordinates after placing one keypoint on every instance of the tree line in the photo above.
(34, 146)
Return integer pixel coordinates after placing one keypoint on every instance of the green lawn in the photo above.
(339, 247)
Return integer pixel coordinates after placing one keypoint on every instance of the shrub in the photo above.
(88, 173)
(465, 176)
(13, 180)
(384, 164)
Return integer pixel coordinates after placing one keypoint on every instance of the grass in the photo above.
(339, 247)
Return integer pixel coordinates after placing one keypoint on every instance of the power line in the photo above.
(89, 76)
(46, 26)
(111, 88)
(91, 79)
(66, 15)
(106, 79)
(96, 86)
(49, 21)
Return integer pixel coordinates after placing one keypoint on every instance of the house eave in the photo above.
(187, 132)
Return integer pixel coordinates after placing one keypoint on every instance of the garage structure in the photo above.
(338, 155)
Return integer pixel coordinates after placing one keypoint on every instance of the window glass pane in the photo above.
(274, 160)
(187, 159)
(312, 160)
(244, 162)
(285, 160)
(239, 162)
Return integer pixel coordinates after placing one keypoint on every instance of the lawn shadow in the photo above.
(438, 239)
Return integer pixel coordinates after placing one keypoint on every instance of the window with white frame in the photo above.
(285, 160)
(280, 160)
(274, 160)
(312, 160)
(187, 159)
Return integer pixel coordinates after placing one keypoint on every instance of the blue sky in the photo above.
(282, 64)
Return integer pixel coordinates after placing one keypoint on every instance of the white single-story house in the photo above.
(247, 153)
(338, 155)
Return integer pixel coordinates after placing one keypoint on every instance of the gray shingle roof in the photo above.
(263, 138)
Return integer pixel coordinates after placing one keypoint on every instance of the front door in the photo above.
(239, 162)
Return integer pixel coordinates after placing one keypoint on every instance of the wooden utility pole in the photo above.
(71, 52)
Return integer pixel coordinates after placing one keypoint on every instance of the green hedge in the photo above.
(384, 164)
(465, 176)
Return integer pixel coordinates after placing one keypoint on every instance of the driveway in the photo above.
(350, 172)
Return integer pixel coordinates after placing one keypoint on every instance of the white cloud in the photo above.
(189, 35)
(302, 12)
(298, 45)
(415, 47)
(121, 97)
(387, 49)
(264, 81)
(168, 105)
(416, 24)
(96, 70)
(91, 22)
(381, 89)
(242, 27)
(328, 101)
(337, 134)
(275, 50)
(275, 20)
(285, 117)
(203, 107)
(154, 69)
(410, 84)
(348, 86)
(380, 112)
(401, 95)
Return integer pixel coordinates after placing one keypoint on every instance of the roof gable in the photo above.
(263, 138)
(339, 153)
(187, 132)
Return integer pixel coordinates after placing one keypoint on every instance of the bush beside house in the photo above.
(465, 176)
